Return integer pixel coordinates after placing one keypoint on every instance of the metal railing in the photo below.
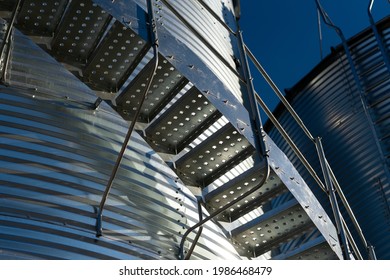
(378, 38)
(154, 41)
(332, 185)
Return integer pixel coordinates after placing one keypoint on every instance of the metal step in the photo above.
(78, 34)
(271, 229)
(7, 5)
(167, 82)
(114, 59)
(40, 17)
(182, 122)
(234, 190)
(316, 249)
(213, 157)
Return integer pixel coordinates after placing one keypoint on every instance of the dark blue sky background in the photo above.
(283, 35)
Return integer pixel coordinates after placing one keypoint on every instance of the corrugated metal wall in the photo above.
(329, 103)
(58, 151)
(56, 155)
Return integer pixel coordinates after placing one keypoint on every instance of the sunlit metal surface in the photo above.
(193, 139)
(56, 156)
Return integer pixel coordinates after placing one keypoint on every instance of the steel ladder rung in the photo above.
(213, 157)
(234, 190)
(271, 229)
(166, 83)
(182, 122)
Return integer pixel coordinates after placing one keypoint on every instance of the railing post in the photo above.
(377, 35)
(333, 200)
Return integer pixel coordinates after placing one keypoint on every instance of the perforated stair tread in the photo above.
(79, 33)
(271, 229)
(7, 5)
(166, 83)
(213, 157)
(235, 189)
(317, 249)
(114, 59)
(182, 122)
(42, 15)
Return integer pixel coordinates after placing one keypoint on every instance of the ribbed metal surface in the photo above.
(209, 29)
(328, 102)
(192, 111)
(56, 157)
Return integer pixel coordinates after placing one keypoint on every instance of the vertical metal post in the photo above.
(378, 38)
(333, 199)
(250, 99)
(371, 252)
(279, 94)
(6, 41)
(347, 207)
(320, 33)
(154, 40)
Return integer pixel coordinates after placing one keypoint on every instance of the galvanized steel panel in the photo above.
(148, 208)
(56, 157)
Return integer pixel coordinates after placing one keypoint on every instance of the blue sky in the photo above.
(283, 35)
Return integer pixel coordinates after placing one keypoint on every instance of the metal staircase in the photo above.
(211, 151)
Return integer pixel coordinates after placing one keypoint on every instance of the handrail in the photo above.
(292, 144)
(382, 48)
(354, 247)
(320, 33)
(154, 39)
(333, 199)
(355, 75)
(279, 94)
(309, 168)
(198, 234)
(346, 204)
(224, 208)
